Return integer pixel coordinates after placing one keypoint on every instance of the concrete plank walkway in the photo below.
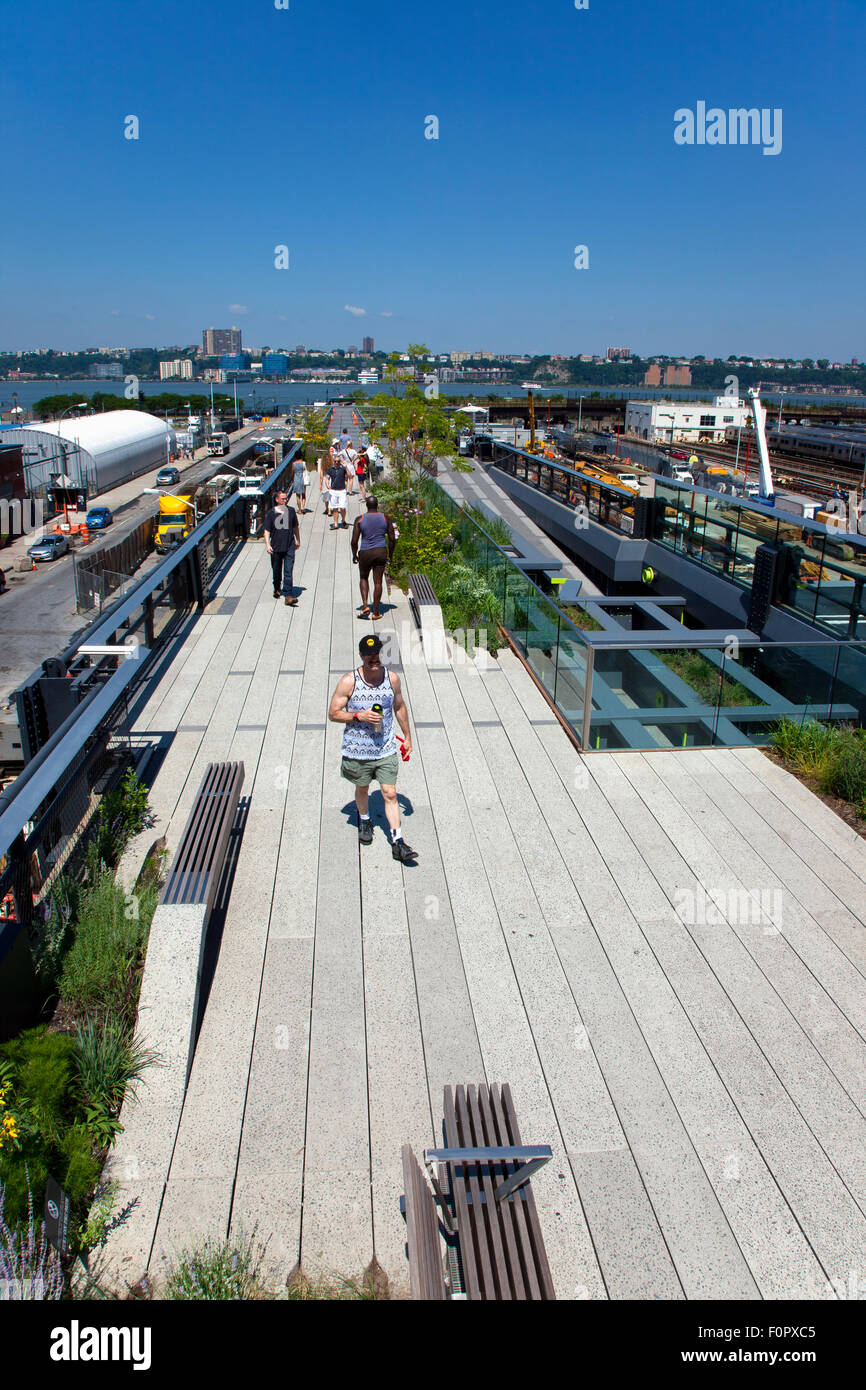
(663, 953)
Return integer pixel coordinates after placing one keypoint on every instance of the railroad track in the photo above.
(790, 470)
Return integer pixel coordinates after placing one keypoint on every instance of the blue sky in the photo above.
(305, 127)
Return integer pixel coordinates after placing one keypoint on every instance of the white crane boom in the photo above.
(759, 415)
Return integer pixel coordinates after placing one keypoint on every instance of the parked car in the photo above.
(168, 477)
(98, 518)
(49, 548)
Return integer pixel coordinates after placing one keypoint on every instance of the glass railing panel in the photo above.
(798, 681)
(519, 592)
(849, 686)
(543, 621)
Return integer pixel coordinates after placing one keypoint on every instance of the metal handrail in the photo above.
(22, 798)
(124, 607)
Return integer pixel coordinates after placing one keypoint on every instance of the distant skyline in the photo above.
(255, 195)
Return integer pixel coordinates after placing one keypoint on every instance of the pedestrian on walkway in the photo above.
(300, 483)
(361, 466)
(345, 439)
(350, 458)
(367, 701)
(337, 476)
(324, 489)
(282, 538)
(373, 542)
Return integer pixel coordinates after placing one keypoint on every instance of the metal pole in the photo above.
(579, 414)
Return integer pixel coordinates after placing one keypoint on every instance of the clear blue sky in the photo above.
(305, 127)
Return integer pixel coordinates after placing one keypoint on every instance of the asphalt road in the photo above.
(37, 611)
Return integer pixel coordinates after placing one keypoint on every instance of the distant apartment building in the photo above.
(459, 356)
(217, 342)
(179, 368)
(673, 376)
(275, 364)
(368, 345)
(620, 354)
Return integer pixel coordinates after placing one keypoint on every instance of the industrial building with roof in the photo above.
(97, 452)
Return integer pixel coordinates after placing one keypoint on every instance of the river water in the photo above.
(285, 395)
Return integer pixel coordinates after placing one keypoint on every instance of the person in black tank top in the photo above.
(373, 543)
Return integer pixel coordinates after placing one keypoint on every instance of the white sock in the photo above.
(395, 836)
(363, 817)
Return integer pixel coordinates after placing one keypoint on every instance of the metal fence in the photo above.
(105, 571)
(47, 811)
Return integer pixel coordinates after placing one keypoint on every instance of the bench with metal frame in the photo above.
(483, 1205)
(198, 864)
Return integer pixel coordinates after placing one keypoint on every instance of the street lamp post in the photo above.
(666, 415)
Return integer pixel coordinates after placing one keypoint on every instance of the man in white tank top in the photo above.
(368, 701)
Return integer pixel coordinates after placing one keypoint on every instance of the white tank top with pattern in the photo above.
(365, 741)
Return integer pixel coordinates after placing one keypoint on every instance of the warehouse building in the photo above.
(689, 421)
(97, 452)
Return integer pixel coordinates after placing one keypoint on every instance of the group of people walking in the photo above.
(368, 700)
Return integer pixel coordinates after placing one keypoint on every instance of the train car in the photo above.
(846, 448)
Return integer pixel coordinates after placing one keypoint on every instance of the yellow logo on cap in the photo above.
(371, 642)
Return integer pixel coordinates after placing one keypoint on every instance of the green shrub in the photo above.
(835, 757)
(845, 773)
(99, 973)
(217, 1270)
(122, 814)
(105, 1062)
(51, 934)
(82, 1167)
(36, 1066)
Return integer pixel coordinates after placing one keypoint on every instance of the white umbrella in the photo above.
(473, 408)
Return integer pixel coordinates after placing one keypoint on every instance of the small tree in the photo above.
(314, 432)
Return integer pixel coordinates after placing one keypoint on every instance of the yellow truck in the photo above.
(175, 521)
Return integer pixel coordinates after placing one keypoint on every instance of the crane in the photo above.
(767, 494)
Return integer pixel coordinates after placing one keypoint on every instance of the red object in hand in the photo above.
(403, 754)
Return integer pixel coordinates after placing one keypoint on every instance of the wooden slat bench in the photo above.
(485, 1204)
(196, 868)
(421, 592)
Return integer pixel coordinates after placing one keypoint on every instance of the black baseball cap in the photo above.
(370, 646)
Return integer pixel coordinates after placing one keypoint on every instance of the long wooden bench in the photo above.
(421, 593)
(481, 1203)
(198, 864)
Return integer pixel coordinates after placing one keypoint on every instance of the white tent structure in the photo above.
(97, 451)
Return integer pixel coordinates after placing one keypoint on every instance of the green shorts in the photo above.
(363, 771)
